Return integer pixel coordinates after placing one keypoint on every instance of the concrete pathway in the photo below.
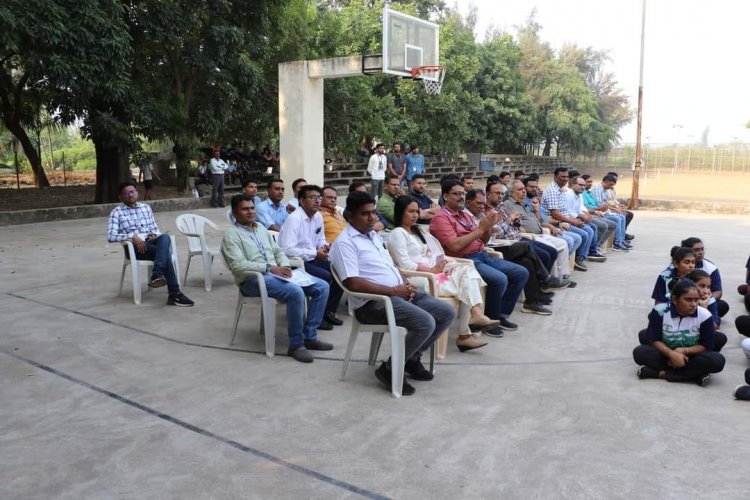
(105, 399)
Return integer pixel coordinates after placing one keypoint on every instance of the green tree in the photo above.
(197, 68)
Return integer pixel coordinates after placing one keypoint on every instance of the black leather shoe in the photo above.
(318, 345)
(384, 375)
(301, 354)
(332, 319)
(416, 369)
(325, 325)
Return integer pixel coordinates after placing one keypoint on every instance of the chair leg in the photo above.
(122, 276)
(377, 340)
(269, 324)
(207, 262)
(350, 346)
(398, 347)
(442, 346)
(187, 268)
(136, 273)
(433, 352)
(236, 318)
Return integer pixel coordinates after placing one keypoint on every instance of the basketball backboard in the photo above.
(408, 42)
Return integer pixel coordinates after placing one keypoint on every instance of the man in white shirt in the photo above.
(293, 202)
(218, 166)
(376, 168)
(364, 265)
(302, 236)
(148, 173)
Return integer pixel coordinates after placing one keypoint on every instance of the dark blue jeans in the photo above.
(505, 282)
(160, 251)
(322, 269)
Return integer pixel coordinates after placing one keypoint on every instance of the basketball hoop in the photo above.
(431, 76)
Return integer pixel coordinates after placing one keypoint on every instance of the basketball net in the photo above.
(431, 76)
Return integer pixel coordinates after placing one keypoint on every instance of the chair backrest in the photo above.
(193, 227)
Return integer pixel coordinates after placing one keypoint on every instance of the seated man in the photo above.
(596, 200)
(135, 221)
(518, 252)
(302, 236)
(461, 236)
(250, 187)
(427, 207)
(273, 212)
(615, 205)
(362, 262)
(360, 186)
(391, 191)
(529, 223)
(333, 220)
(247, 246)
(508, 229)
(604, 227)
(557, 229)
(554, 206)
(293, 203)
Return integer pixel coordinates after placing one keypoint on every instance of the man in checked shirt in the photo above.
(135, 221)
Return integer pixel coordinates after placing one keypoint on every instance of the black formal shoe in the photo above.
(384, 375)
(325, 326)
(507, 325)
(416, 369)
(301, 354)
(494, 331)
(318, 345)
(332, 319)
(629, 237)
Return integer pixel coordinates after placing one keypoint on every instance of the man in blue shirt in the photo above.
(414, 163)
(273, 212)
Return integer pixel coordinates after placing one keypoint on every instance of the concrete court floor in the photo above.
(101, 398)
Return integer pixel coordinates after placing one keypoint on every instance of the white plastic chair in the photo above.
(397, 333)
(194, 228)
(136, 266)
(267, 312)
(293, 261)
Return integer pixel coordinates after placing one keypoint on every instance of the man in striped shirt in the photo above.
(135, 222)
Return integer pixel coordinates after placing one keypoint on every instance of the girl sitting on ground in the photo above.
(707, 300)
(680, 338)
(683, 263)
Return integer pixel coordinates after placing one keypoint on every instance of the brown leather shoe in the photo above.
(468, 343)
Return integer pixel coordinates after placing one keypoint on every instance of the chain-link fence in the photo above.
(733, 157)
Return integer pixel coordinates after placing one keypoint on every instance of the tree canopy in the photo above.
(199, 72)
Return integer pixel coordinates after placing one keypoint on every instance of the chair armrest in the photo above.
(495, 253)
(261, 283)
(528, 236)
(461, 260)
(430, 277)
(128, 245)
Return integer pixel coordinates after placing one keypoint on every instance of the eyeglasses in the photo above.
(129, 192)
(460, 194)
(314, 197)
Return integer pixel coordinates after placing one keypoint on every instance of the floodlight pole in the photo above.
(634, 202)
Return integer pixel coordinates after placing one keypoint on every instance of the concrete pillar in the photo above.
(300, 123)
(301, 111)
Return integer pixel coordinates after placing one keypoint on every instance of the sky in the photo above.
(697, 57)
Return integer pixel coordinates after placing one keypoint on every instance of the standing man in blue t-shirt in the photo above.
(414, 163)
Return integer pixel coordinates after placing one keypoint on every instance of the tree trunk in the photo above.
(15, 128)
(547, 146)
(112, 168)
(182, 151)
